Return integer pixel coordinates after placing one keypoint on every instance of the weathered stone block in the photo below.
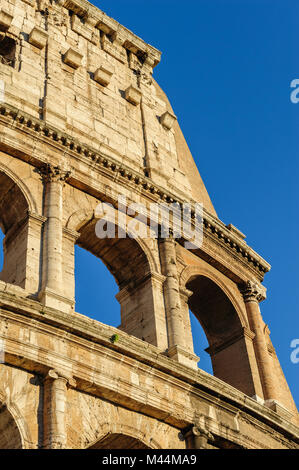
(73, 58)
(167, 120)
(38, 37)
(107, 25)
(5, 20)
(133, 95)
(102, 75)
(30, 2)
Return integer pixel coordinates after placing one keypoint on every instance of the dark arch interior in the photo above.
(119, 441)
(1, 250)
(213, 309)
(124, 257)
(13, 205)
(10, 437)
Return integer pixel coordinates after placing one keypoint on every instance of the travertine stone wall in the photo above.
(83, 122)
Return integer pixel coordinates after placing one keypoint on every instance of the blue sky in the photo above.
(226, 68)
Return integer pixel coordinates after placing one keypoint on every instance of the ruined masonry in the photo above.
(82, 120)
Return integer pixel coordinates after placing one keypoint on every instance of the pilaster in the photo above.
(55, 395)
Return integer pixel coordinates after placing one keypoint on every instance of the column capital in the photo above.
(185, 293)
(71, 234)
(198, 436)
(203, 432)
(54, 374)
(53, 173)
(253, 291)
(169, 239)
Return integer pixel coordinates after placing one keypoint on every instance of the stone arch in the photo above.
(32, 206)
(14, 432)
(79, 218)
(137, 274)
(21, 226)
(83, 217)
(192, 271)
(225, 325)
(121, 436)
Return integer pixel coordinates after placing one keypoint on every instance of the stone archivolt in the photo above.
(82, 122)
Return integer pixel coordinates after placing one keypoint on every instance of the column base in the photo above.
(53, 300)
(183, 357)
(279, 409)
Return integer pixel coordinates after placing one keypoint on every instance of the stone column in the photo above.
(52, 292)
(142, 311)
(55, 390)
(177, 347)
(22, 253)
(253, 294)
(185, 294)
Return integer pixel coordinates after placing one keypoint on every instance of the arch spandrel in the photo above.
(14, 432)
(18, 180)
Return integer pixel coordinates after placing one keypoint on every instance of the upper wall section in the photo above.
(66, 62)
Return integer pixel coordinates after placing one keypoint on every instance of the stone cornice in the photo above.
(104, 161)
(94, 18)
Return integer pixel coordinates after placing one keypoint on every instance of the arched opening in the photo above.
(128, 263)
(200, 343)
(119, 441)
(228, 344)
(13, 213)
(10, 437)
(95, 289)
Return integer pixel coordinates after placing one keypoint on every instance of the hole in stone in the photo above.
(7, 50)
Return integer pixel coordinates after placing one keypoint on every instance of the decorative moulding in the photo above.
(107, 26)
(133, 95)
(73, 58)
(5, 20)
(236, 231)
(38, 37)
(102, 75)
(167, 120)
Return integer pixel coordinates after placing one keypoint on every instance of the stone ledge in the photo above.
(5, 20)
(73, 58)
(103, 76)
(82, 326)
(38, 37)
(133, 95)
(167, 120)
